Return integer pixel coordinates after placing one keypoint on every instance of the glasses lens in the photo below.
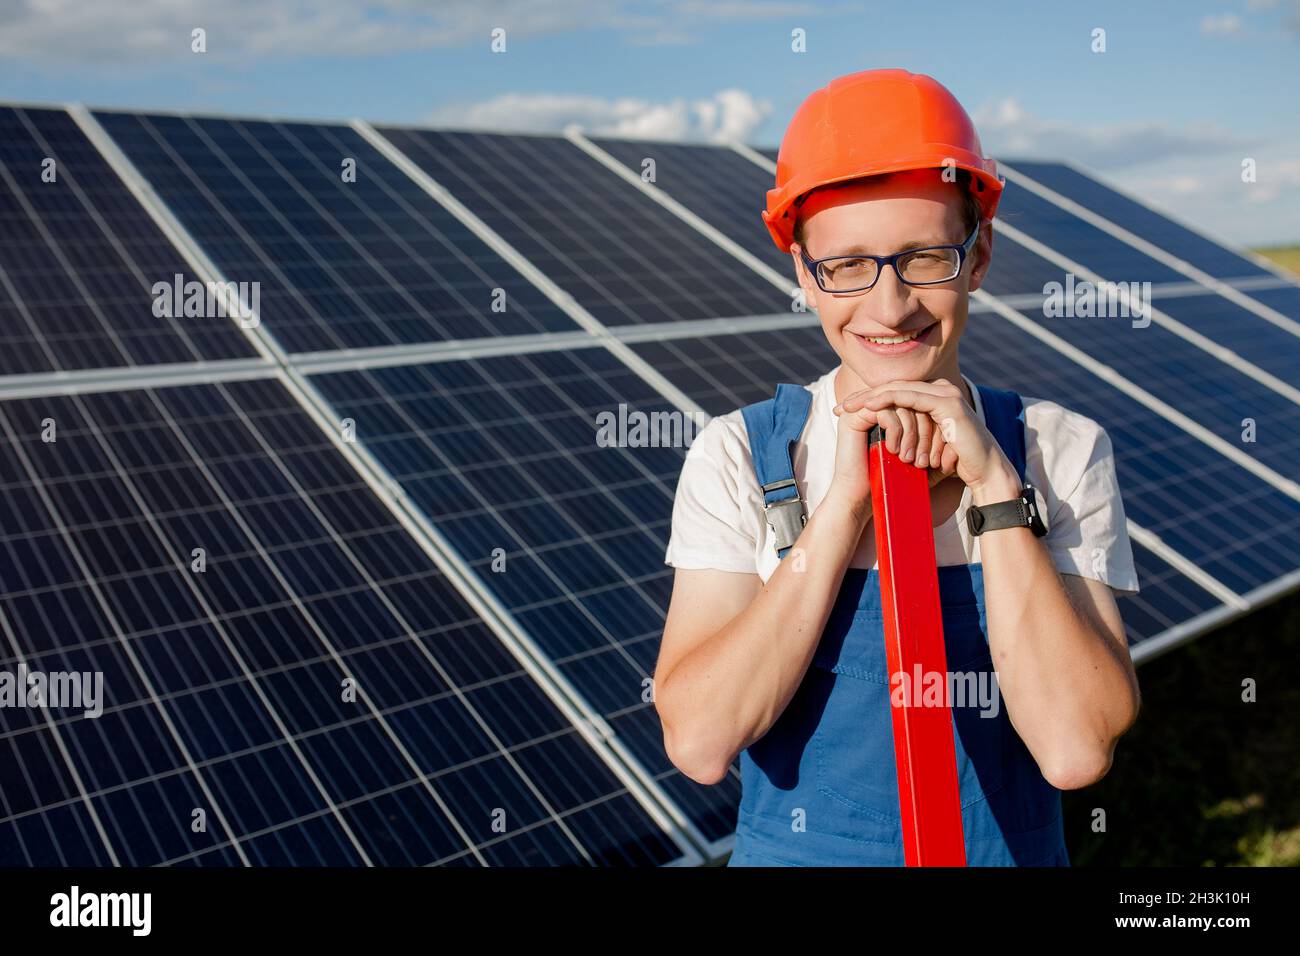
(845, 275)
(929, 265)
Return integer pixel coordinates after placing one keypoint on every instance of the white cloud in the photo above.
(728, 115)
(1006, 128)
(1193, 171)
(1223, 25)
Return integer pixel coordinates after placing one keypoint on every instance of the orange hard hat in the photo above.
(873, 122)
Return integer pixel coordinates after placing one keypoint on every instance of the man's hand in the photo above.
(932, 425)
(905, 430)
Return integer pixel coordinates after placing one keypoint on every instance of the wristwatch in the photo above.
(1019, 512)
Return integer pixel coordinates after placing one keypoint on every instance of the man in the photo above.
(773, 649)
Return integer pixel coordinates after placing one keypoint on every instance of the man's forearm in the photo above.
(1067, 689)
(735, 685)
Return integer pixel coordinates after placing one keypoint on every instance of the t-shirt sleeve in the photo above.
(713, 520)
(1087, 531)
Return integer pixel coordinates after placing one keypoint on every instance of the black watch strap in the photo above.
(1019, 512)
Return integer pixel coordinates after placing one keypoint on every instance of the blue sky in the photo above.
(1182, 94)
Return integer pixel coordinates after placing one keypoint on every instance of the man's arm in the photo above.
(735, 650)
(1059, 650)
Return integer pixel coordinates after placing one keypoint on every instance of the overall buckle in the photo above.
(787, 517)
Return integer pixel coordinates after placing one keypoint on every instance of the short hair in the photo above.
(970, 206)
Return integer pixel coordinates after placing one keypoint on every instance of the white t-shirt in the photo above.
(718, 521)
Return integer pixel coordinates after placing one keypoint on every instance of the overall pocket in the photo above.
(853, 743)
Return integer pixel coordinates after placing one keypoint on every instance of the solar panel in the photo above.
(79, 259)
(226, 683)
(1150, 352)
(1264, 345)
(1235, 525)
(621, 255)
(1285, 299)
(1162, 362)
(503, 456)
(727, 190)
(367, 262)
(723, 372)
(1173, 237)
(721, 186)
(1078, 240)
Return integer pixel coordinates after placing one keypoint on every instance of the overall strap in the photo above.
(1004, 416)
(774, 425)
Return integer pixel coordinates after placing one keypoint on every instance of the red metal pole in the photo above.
(929, 795)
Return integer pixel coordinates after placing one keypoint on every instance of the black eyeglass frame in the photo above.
(963, 251)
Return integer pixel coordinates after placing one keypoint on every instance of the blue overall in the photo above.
(820, 787)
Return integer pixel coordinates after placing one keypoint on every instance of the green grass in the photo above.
(1204, 779)
(1288, 257)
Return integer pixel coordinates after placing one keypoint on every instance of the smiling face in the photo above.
(880, 216)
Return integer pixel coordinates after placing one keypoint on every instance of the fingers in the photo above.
(862, 419)
(924, 441)
(898, 423)
(913, 438)
(949, 459)
(892, 420)
(910, 413)
(937, 445)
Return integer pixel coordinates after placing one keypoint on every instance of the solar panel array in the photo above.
(362, 583)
